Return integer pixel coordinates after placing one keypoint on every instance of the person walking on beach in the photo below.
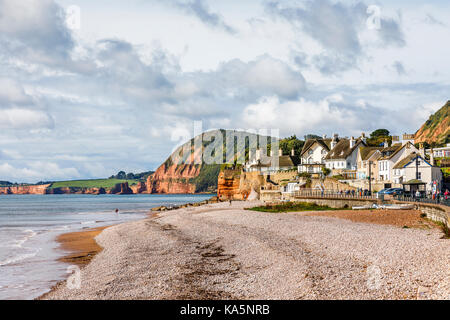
(230, 202)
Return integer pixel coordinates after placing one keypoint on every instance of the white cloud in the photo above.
(36, 170)
(298, 116)
(12, 93)
(17, 118)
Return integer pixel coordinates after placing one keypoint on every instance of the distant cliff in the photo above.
(120, 188)
(39, 189)
(196, 177)
(437, 128)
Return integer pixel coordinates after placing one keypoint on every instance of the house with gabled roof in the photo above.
(367, 162)
(416, 167)
(343, 156)
(272, 164)
(313, 154)
(390, 156)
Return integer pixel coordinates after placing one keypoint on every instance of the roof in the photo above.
(414, 182)
(288, 161)
(342, 149)
(283, 161)
(390, 152)
(410, 158)
(367, 152)
(325, 143)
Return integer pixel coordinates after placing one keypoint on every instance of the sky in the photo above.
(88, 88)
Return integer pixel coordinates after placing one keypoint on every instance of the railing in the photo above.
(441, 200)
(334, 194)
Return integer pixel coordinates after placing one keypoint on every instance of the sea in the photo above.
(29, 225)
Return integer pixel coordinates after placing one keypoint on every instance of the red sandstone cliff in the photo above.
(437, 128)
(174, 179)
(121, 188)
(40, 189)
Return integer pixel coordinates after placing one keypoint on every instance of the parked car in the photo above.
(395, 192)
(382, 192)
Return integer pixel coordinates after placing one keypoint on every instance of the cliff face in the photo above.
(181, 177)
(121, 188)
(172, 178)
(437, 128)
(228, 185)
(41, 189)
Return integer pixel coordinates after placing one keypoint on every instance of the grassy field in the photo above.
(98, 183)
(292, 207)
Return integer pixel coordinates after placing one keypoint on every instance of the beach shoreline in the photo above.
(222, 251)
(81, 246)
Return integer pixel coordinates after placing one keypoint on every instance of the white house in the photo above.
(272, 164)
(389, 158)
(344, 155)
(415, 167)
(313, 154)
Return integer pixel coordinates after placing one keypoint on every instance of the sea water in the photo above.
(29, 225)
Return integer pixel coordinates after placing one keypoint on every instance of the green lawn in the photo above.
(98, 183)
(292, 207)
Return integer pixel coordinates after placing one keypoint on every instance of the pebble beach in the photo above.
(222, 251)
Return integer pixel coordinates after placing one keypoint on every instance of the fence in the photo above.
(333, 194)
(441, 200)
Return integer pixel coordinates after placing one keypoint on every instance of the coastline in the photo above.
(81, 246)
(222, 251)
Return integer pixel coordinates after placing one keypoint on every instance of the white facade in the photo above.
(427, 173)
(312, 160)
(349, 163)
(385, 166)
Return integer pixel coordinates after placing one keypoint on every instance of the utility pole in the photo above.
(370, 178)
(417, 167)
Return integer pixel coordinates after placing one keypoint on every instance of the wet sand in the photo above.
(82, 246)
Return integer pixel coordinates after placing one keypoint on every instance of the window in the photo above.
(419, 175)
(310, 152)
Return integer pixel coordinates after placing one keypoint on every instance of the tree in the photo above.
(326, 171)
(121, 175)
(380, 133)
(290, 143)
(312, 136)
(130, 176)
